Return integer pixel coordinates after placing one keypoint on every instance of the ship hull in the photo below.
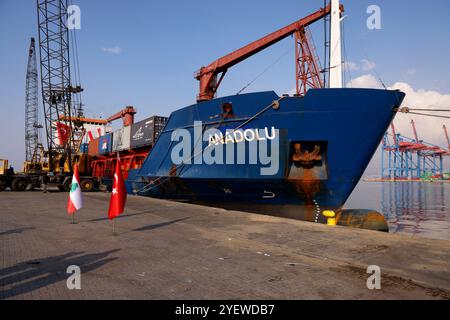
(324, 142)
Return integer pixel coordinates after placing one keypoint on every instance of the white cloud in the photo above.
(351, 66)
(429, 129)
(112, 50)
(365, 81)
(367, 65)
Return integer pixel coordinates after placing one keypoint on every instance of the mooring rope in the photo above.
(411, 111)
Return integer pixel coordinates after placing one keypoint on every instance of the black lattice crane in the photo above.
(32, 126)
(55, 81)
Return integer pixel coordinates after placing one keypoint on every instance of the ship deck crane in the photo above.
(307, 70)
(126, 114)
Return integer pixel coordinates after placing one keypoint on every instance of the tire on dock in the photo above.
(19, 184)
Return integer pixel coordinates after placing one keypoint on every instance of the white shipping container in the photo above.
(121, 139)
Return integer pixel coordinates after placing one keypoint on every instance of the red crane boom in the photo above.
(393, 132)
(414, 130)
(446, 136)
(208, 75)
(127, 115)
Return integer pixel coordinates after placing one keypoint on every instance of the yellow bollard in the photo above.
(331, 221)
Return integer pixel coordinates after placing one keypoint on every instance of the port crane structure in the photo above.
(126, 114)
(446, 137)
(56, 85)
(33, 147)
(307, 67)
(63, 116)
(410, 158)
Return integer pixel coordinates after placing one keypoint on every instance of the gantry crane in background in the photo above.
(411, 159)
(33, 147)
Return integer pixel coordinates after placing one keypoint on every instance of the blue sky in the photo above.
(162, 43)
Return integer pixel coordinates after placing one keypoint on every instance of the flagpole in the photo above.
(118, 195)
(73, 218)
(114, 220)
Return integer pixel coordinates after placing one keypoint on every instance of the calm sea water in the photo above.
(416, 208)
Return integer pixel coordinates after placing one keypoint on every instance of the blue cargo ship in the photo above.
(293, 156)
(343, 127)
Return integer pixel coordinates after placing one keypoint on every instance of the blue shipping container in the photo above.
(84, 148)
(105, 144)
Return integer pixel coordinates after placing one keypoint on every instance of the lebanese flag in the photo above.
(75, 202)
(118, 194)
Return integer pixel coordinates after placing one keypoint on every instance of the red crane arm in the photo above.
(393, 132)
(414, 130)
(127, 114)
(208, 75)
(446, 136)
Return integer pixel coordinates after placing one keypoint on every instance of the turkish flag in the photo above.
(118, 194)
(63, 131)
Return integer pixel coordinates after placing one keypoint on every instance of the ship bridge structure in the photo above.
(405, 158)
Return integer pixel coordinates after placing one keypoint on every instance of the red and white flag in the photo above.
(75, 197)
(118, 194)
(63, 131)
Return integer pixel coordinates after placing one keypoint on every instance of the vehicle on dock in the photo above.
(16, 181)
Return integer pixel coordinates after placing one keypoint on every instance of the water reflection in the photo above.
(416, 208)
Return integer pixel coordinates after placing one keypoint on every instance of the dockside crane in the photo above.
(446, 137)
(307, 68)
(414, 130)
(33, 147)
(56, 84)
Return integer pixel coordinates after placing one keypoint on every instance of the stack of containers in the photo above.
(140, 134)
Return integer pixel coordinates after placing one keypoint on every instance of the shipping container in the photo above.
(121, 139)
(93, 147)
(105, 144)
(160, 123)
(84, 148)
(146, 132)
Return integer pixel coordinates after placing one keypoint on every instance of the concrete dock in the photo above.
(171, 250)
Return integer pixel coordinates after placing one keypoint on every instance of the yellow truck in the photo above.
(16, 181)
(36, 175)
